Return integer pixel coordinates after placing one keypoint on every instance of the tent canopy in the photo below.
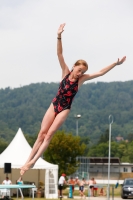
(17, 153)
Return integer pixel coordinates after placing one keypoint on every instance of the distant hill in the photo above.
(25, 106)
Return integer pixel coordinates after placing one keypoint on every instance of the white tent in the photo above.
(17, 153)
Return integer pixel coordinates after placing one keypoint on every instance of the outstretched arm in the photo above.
(63, 65)
(103, 71)
(19, 179)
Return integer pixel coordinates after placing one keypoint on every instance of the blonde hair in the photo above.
(81, 62)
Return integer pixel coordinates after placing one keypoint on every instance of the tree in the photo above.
(104, 137)
(63, 150)
(31, 139)
(100, 150)
(86, 141)
(128, 153)
(25, 107)
(130, 137)
(3, 145)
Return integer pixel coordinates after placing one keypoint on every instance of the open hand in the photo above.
(119, 62)
(61, 29)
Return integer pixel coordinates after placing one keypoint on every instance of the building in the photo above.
(119, 139)
(98, 167)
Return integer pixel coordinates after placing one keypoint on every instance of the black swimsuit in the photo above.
(66, 92)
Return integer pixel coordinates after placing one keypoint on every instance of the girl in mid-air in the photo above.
(61, 104)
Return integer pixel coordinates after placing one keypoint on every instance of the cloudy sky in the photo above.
(98, 31)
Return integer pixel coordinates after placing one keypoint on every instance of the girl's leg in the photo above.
(46, 123)
(58, 121)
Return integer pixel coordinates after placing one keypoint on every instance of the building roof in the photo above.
(101, 160)
(104, 160)
(119, 138)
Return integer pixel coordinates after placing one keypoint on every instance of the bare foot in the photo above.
(26, 167)
(22, 172)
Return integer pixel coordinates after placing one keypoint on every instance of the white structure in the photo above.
(98, 167)
(17, 153)
(126, 167)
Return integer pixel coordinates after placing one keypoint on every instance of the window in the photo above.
(125, 169)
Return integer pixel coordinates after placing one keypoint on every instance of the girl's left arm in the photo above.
(103, 71)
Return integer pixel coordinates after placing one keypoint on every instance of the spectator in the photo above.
(91, 186)
(61, 182)
(102, 193)
(20, 180)
(7, 181)
(81, 187)
(95, 187)
(6, 192)
(76, 181)
(72, 182)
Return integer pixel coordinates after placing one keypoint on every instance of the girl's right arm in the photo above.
(63, 65)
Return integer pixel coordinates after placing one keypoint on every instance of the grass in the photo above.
(117, 192)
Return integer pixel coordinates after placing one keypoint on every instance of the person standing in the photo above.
(76, 182)
(81, 187)
(61, 182)
(95, 187)
(91, 184)
(72, 183)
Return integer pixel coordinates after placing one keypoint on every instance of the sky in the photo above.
(98, 31)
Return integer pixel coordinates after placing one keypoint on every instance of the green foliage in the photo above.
(63, 150)
(3, 145)
(130, 137)
(100, 150)
(25, 107)
(86, 141)
(123, 149)
(104, 137)
(31, 139)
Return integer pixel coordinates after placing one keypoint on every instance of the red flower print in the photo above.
(67, 86)
(68, 100)
(60, 108)
(69, 93)
(54, 99)
(76, 88)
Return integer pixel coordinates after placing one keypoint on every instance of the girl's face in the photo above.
(79, 70)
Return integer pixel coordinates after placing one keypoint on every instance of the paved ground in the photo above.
(94, 198)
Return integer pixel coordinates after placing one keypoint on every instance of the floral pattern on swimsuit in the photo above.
(66, 92)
